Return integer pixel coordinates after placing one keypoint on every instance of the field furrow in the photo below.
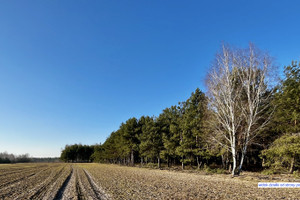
(79, 191)
(57, 183)
(140, 183)
(68, 189)
(100, 181)
(97, 190)
(19, 171)
(42, 190)
(24, 185)
(89, 191)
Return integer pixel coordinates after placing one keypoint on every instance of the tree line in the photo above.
(6, 158)
(11, 158)
(77, 153)
(246, 120)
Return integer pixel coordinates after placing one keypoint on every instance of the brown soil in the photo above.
(100, 181)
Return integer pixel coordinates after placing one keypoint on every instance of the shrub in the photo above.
(283, 154)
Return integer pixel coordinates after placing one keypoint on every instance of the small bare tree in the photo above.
(239, 95)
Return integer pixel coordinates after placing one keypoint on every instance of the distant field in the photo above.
(100, 181)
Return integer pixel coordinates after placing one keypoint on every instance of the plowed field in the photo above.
(99, 181)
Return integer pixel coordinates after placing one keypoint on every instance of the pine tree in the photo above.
(287, 115)
(169, 120)
(151, 140)
(129, 134)
(193, 129)
(284, 152)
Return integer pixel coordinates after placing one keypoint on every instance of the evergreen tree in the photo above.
(77, 153)
(169, 120)
(284, 152)
(287, 115)
(192, 138)
(151, 140)
(130, 138)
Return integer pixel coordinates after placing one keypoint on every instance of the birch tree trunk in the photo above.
(242, 160)
(238, 96)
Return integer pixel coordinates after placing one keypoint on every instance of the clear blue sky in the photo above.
(72, 71)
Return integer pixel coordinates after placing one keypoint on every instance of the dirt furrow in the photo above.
(79, 191)
(41, 189)
(13, 178)
(68, 189)
(88, 186)
(19, 168)
(85, 189)
(97, 190)
(17, 179)
(16, 171)
(79, 181)
(56, 185)
(22, 186)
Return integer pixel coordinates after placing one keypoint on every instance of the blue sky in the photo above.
(72, 71)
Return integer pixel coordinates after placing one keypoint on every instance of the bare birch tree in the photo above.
(239, 94)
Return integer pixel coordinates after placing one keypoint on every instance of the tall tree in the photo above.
(287, 101)
(151, 140)
(77, 153)
(169, 120)
(193, 129)
(130, 137)
(238, 91)
(180, 150)
(195, 116)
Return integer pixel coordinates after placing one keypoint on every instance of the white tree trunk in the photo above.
(233, 164)
(238, 97)
(242, 160)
